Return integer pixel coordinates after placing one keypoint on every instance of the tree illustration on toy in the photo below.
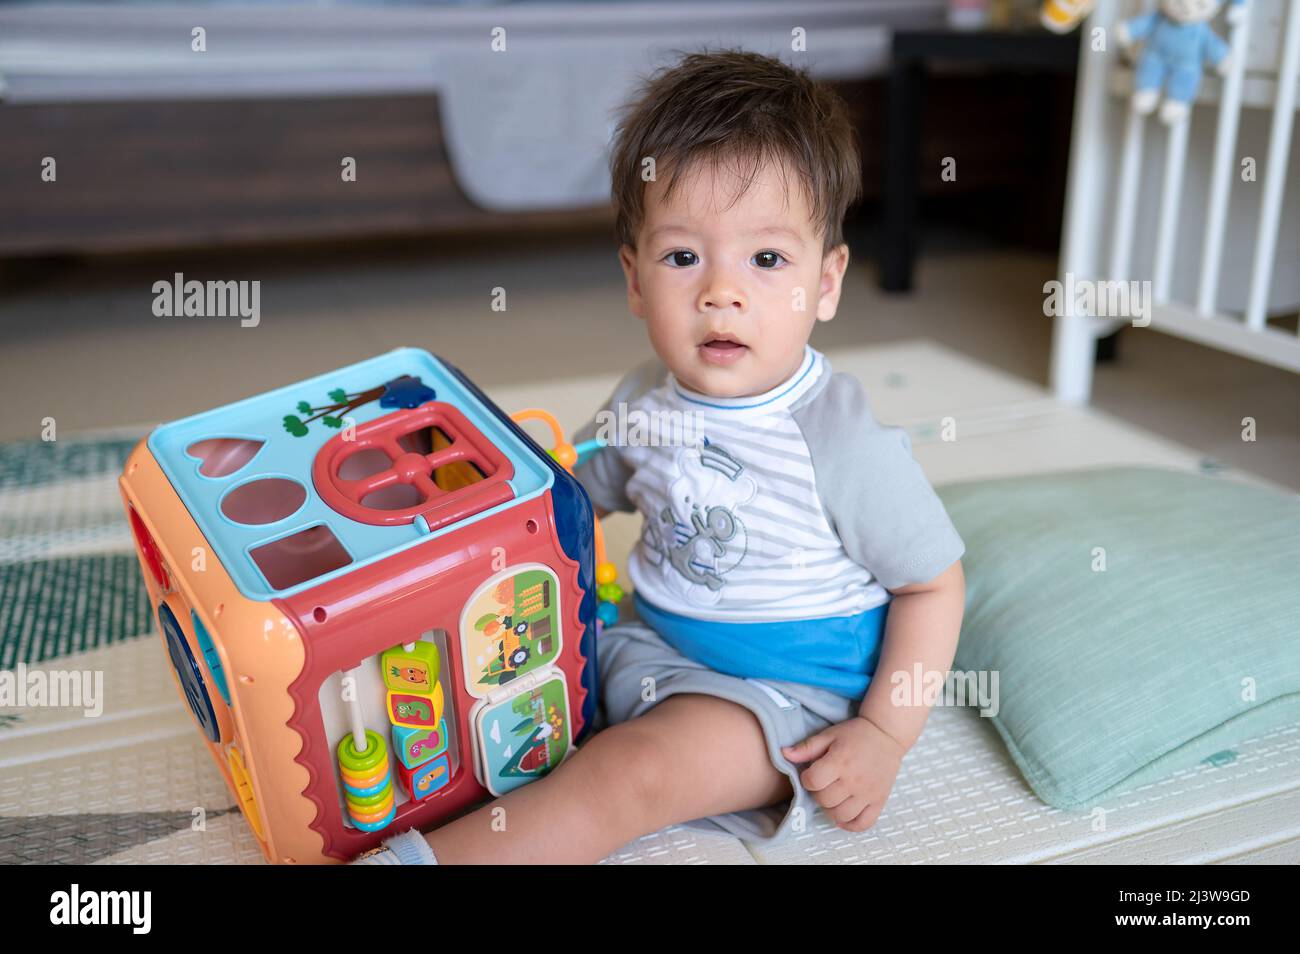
(404, 392)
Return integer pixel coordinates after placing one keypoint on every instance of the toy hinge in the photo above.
(522, 684)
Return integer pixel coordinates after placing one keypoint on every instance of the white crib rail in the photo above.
(1095, 157)
(1225, 167)
(1170, 201)
(1279, 150)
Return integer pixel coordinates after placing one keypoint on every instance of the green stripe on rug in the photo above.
(34, 463)
(52, 608)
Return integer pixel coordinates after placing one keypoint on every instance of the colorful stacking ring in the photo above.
(379, 812)
(353, 781)
(367, 782)
(363, 763)
(355, 793)
(379, 825)
(370, 803)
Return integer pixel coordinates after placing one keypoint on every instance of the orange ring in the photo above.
(368, 781)
(374, 816)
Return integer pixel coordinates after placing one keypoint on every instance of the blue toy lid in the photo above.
(282, 512)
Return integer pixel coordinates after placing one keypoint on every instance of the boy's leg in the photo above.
(689, 757)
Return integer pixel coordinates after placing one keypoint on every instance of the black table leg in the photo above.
(898, 239)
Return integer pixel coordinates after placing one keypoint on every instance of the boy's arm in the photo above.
(921, 629)
(891, 521)
(876, 496)
(604, 475)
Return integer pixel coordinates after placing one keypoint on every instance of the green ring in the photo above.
(362, 763)
(365, 801)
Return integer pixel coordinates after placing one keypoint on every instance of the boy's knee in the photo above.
(630, 766)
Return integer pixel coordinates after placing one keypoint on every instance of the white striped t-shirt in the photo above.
(734, 493)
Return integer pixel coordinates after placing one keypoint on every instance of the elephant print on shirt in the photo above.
(699, 535)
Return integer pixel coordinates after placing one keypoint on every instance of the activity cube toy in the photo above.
(378, 595)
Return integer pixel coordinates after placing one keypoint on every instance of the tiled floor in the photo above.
(82, 345)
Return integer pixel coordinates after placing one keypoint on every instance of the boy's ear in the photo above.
(627, 258)
(834, 263)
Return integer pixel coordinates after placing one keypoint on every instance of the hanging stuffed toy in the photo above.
(1178, 41)
(1062, 16)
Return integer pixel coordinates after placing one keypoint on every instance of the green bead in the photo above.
(610, 592)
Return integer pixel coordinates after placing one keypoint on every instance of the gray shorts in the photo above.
(789, 712)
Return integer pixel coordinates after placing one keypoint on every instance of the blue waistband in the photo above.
(838, 653)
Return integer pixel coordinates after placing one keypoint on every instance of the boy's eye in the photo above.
(681, 258)
(768, 259)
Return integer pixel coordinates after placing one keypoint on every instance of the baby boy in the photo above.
(793, 556)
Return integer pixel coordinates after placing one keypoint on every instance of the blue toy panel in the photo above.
(291, 442)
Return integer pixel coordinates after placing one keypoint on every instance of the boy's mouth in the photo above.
(722, 349)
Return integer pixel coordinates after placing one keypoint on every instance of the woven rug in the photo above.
(69, 580)
(70, 586)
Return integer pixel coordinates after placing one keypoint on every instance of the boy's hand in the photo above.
(853, 768)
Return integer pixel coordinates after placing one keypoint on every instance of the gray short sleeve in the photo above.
(605, 474)
(875, 495)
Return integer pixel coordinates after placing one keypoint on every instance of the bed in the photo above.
(137, 785)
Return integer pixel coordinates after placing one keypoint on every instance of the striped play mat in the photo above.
(69, 580)
(75, 789)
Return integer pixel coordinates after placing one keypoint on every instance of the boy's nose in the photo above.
(721, 292)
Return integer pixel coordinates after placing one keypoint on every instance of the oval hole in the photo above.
(222, 456)
(263, 501)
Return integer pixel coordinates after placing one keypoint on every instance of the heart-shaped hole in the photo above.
(222, 456)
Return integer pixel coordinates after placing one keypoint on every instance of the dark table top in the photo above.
(1014, 48)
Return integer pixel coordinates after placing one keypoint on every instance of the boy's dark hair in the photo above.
(742, 108)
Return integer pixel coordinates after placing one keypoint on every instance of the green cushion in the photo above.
(1186, 644)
